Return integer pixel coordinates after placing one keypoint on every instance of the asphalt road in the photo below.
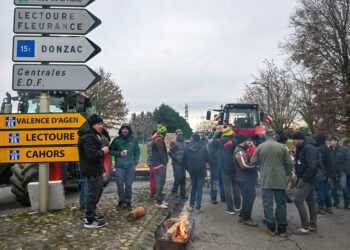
(214, 229)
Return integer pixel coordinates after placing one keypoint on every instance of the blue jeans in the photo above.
(333, 185)
(180, 179)
(280, 216)
(83, 192)
(343, 183)
(216, 183)
(322, 195)
(196, 191)
(124, 179)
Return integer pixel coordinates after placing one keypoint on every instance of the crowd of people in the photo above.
(236, 166)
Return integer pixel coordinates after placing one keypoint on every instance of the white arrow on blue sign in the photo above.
(54, 21)
(53, 49)
(38, 77)
(63, 3)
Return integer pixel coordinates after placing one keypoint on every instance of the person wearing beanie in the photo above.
(195, 159)
(275, 166)
(226, 142)
(323, 199)
(91, 155)
(159, 161)
(176, 152)
(307, 155)
(338, 172)
(246, 176)
(126, 152)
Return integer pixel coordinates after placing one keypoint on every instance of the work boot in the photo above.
(336, 205)
(320, 210)
(189, 208)
(346, 206)
(120, 205)
(214, 202)
(183, 197)
(128, 206)
(329, 210)
(249, 223)
(198, 211)
(269, 232)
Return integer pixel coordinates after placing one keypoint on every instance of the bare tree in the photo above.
(320, 43)
(110, 100)
(206, 126)
(282, 90)
(142, 125)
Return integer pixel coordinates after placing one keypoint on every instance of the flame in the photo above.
(181, 232)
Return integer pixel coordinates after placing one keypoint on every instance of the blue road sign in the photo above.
(14, 155)
(10, 121)
(25, 48)
(13, 138)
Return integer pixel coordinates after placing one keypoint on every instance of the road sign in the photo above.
(65, 3)
(41, 121)
(38, 137)
(54, 21)
(53, 49)
(269, 118)
(53, 77)
(39, 154)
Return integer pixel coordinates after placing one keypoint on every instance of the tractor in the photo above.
(243, 119)
(20, 174)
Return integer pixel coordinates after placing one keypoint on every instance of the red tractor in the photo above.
(243, 119)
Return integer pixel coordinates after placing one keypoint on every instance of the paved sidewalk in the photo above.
(64, 229)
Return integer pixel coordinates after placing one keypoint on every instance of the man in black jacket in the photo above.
(338, 159)
(195, 159)
(346, 146)
(307, 156)
(323, 198)
(225, 147)
(91, 154)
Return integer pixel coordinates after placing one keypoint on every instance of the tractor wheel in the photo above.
(22, 174)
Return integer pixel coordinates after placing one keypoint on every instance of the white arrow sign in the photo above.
(54, 21)
(53, 77)
(71, 3)
(53, 49)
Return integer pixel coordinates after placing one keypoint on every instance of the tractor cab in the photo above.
(243, 119)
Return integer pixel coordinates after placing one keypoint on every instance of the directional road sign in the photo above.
(53, 77)
(54, 21)
(71, 3)
(41, 121)
(38, 137)
(53, 49)
(39, 154)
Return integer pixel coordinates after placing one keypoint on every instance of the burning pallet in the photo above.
(174, 233)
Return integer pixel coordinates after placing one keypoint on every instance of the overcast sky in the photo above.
(199, 52)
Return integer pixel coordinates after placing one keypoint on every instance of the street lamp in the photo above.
(268, 94)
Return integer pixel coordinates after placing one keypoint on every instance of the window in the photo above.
(242, 118)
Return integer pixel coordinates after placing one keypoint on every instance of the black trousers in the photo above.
(248, 198)
(95, 188)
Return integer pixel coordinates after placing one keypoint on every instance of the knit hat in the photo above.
(333, 138)
(298, 135)
(227, 131)
(242, 138)
(161, 130)
(94, 119)
(179, 132)
(270, 132)
(196, 137)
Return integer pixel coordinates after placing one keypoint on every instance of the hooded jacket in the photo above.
(159, 156)
(125, 143)
(324, 153)
(195, 158)
(308, 157)
(90, 153)
(338, 159)
(225, 148)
